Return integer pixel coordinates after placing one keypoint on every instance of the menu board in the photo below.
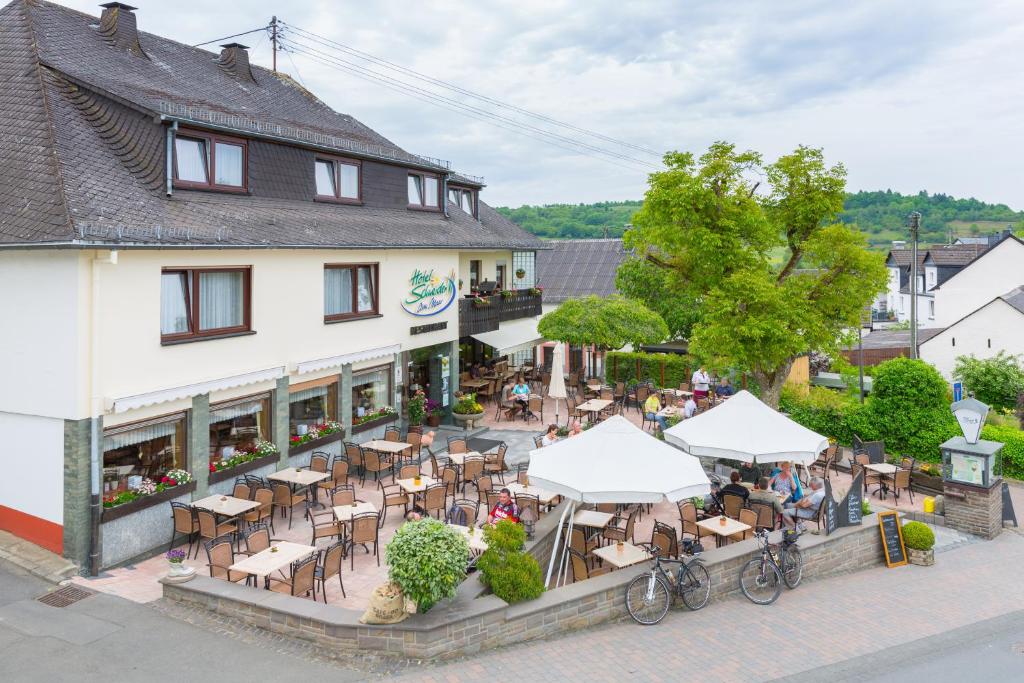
(966, 468)
(831, 518)
(892, 538)
(1008, 513)
(850, 507)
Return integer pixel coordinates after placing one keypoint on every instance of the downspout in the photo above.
(171, 131)
(444, 194)
(95, 412)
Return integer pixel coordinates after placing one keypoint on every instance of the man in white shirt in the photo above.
(806, 507)
(701, 383)
(690, 407)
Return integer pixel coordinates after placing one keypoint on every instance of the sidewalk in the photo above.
(37, 561)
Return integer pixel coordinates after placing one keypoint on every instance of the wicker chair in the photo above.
(620, 529)
(324, 524)
(209, 528)
(394, 496)
(457, 444)
(494, 463)
(257, 539)
(463, 512)
(329, 564)
(538, 441)
(749, 517)
(354, 453)
(525, 501)
(492, 500)
(343, 495)
(450, 479)
(522, 473)
(484, 485)
(415, 449)
(665, 539)
(870, 477)
(286, 501)
(472, 469)
(766, 517)
(265, 512)
(364, 529)
(581, 543)
(901, 481)
(688, 520)
(409, 472)
(339, 474)
(241, 490)
(535, 408)
(732, 504)
(318, 462)
(434, 498)
(580, 570)
(377, 463)
(435, 470)
(488, 391)
(184, 523)
(220, 555)
(301, 583)
(391, 433)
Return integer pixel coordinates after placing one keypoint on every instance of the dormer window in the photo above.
(207, 161)
(424, 191)
(338, 180)
(463, 198)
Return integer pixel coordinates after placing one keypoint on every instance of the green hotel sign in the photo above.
(429, 294)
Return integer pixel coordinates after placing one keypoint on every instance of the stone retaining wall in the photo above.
(471, 622)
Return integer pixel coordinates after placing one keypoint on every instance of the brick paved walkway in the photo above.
(818, 624)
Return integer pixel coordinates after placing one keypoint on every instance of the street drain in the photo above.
(62, 597)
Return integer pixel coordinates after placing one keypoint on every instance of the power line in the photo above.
(327, 42)
(441, 100)
(217, 40)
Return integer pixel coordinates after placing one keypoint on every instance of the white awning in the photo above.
(121, 405)
(346, 359)
(515, 335)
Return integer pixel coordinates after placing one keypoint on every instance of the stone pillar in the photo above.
(281, 420)
(199, 443)
(345, 399)
(454, 368)
(974, 509)
(77, 434)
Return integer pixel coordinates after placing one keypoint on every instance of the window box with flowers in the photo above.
(317, 436)
(244, 459)
(374, 418)
(481, 302)
(173, 484)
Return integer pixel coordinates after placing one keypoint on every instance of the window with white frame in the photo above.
(202, 302)
(338, 179)
(424, 191)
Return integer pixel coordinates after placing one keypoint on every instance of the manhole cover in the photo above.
(62, 597)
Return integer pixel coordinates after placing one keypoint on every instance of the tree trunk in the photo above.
(771, 383)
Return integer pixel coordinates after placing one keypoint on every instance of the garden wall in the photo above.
(471, 622)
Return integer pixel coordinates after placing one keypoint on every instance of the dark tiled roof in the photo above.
(573, 268)
(80, 167)
(954, 254)
(902, 257)
(896, 339)
(1015, 298)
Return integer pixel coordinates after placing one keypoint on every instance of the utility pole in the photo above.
(273, 39)
(915, 226)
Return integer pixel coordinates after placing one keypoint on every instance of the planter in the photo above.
(434, 421)
(232, 472)
(315, 444)
(110, 514)
(179, 569)
(367, 426)
(467, 421)
(922, 558)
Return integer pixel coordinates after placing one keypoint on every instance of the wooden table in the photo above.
(229, 506)
(723, 531)
(382, 446)
(628, 555)
(670, 411)
(884, 470)
(410, 485)
(477, 544)
(299, 477)
(594, 405)
(345, 513)
(459, 459)
(592, 519)
(266, 562)
(543, 495)
(474, 383)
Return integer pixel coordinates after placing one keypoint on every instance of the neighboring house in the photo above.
(996, 271)
(936, 264)
(997, 325)
(197, 254)
(882, 345)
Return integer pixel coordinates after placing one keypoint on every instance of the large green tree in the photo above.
(609, 323)
(711, 224)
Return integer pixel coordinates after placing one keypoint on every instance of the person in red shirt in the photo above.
(505, 508)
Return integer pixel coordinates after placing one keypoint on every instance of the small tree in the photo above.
(427, 559)
(512, 575)
(997, 381)
(909, 405)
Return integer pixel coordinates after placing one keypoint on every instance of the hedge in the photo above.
(621, 366)
(1013, 448)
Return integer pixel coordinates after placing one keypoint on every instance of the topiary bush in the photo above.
(427, 559)
(918, 536)
(510, 573)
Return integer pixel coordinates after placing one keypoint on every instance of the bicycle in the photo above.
(649, 595)
(761, 578)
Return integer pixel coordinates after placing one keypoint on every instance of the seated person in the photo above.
(474, 371)
(576, 429)
(416, 514)
(735, 487)
(690, 407)
(712, 502)
(505, 508)
(762, 494)
(806, 507)
(784, 482)
(750, 472)
(521, 393)
(651, 407)
(551, 436)
(724, 388)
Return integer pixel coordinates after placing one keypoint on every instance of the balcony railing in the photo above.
(475, 318)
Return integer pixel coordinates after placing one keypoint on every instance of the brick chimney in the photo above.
(117, 25)
(234, 58)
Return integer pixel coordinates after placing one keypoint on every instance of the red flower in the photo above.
(213, 468)
(172, 482)
(164, 480)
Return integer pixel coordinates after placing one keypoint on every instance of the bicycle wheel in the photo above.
(792, 567)
(761, 581)
(647, 599)
(696, 586)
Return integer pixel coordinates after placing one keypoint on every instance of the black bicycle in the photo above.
(649, 595)
(761, 578)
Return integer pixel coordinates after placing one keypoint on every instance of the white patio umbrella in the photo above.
(556, 388)
(745, 429)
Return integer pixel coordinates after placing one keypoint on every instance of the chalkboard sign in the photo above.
(850, 507)
(1008, 513)
(831, 518)
(892, 539)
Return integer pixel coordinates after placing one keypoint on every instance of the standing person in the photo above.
(701, 383)
(551, 436)
(505, 508)
(652, 406)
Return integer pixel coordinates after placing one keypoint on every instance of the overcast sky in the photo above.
(908, 95)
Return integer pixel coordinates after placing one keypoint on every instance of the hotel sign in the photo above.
(429, 294)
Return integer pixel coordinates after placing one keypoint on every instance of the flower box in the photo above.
(376, 422)
(242, 468)
(119, 511)
(314, 444)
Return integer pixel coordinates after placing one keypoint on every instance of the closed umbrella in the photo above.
(556, 389)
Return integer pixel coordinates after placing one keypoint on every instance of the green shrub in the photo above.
(997, 381)
(918, 536)
(621, 366)
(467, 405)
(427, 559)
(511, 574)
(865, 508)
(1013, 448)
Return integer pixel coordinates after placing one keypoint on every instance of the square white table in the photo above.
(345, 513)
(229, 506)
(723, 531)
(628, 555)
(460, 458)
(299, 477)
(594, 405)
(477, 544)
(382, 446)
(592, 519)
(278, 556)
(410, 485)
(884, 471)
(543, 495)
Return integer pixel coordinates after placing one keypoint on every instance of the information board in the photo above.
(831, 518)
(1008, 512)
(850, 507)
(892, 538)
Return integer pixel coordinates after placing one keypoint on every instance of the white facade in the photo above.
(995, 272)
(996, 326)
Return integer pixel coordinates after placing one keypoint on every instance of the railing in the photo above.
(476, 318)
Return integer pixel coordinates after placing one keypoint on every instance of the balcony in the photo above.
(475, 318)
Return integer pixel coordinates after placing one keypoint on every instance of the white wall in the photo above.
(992, 274)
(39, 346)
(996, 327)
(488, 263)
(32, 455)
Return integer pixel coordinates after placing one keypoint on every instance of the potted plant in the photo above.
(535, 291)
(417, 408)
(467, 411)
(510, 573)
(176, 565)
(920, 541)
(520, 273)
(433, 415)
(508, 293)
